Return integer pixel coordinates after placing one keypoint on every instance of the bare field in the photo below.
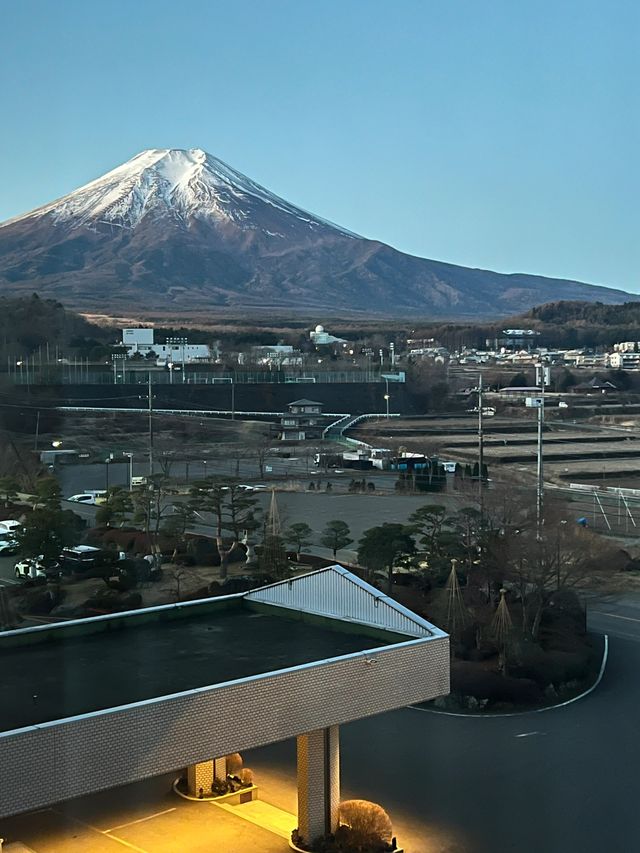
(594, 454)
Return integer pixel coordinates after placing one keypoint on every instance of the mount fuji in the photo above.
(181, 231)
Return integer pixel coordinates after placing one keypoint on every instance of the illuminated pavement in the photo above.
(147, 818)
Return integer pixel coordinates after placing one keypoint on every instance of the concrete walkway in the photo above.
(264, 815)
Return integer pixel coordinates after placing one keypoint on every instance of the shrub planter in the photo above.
(294, 846)
(233, 798)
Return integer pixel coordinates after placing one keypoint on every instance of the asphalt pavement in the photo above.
(76, 478)
(559, 781)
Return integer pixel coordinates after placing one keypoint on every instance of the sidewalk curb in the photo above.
(605, 655)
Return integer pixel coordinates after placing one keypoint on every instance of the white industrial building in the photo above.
(176, 351)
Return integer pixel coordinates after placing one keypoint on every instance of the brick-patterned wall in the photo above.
(200, 776)
(318, 782)
(105, 749)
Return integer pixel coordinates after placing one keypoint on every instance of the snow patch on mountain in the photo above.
(174, 183)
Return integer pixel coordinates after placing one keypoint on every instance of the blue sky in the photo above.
(498, 134)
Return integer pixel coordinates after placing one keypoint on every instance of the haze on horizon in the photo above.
(487, 135)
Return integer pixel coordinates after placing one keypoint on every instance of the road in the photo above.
(561, 781)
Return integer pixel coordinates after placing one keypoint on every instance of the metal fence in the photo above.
(610, 510)
(81, 374)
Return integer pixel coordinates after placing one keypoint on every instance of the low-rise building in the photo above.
(320, 337)
(627, 346)
(624, 360)
(277, 355)
(303, 421)
(176, 351)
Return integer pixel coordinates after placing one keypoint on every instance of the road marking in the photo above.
(530, 734)
(105, 832)
(125, 843)
(139, 820)
(614, 616)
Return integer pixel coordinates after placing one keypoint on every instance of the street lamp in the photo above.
(115, 358)
(387, 396)
(129, 455)
(170, 366)
(180, 342)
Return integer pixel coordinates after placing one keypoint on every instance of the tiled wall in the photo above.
(44, 764)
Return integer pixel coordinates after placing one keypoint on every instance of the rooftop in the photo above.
(132, 658)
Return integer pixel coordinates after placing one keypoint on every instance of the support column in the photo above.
(318, 782)
(200, 776)
(220, 768)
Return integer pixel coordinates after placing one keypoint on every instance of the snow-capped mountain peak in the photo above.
(183, 185)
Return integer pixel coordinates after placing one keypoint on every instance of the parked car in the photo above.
(84, 558)
(8, 543)
(81, 558)
(27, 569)
(90, 498)
(35, 568)
(10, 525)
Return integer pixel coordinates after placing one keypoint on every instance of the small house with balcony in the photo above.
(302, 421)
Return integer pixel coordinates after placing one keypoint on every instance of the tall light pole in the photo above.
(180, 342)
(543, 378)
(387, 396)
(150, 395)
(129, 455)
(233, 398)
(115, 358)
(480, 444)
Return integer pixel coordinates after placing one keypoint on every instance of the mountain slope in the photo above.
(181, 230)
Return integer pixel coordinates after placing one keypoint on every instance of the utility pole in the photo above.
(480, 445)
(35, 443)
(150, 395)
(543, 376)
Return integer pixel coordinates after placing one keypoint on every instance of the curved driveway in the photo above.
(562, 781)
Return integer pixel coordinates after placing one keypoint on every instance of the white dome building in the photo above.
(322, 338)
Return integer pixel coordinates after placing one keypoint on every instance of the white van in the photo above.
(90, 498)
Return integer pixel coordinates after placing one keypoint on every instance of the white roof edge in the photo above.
(336, 568)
